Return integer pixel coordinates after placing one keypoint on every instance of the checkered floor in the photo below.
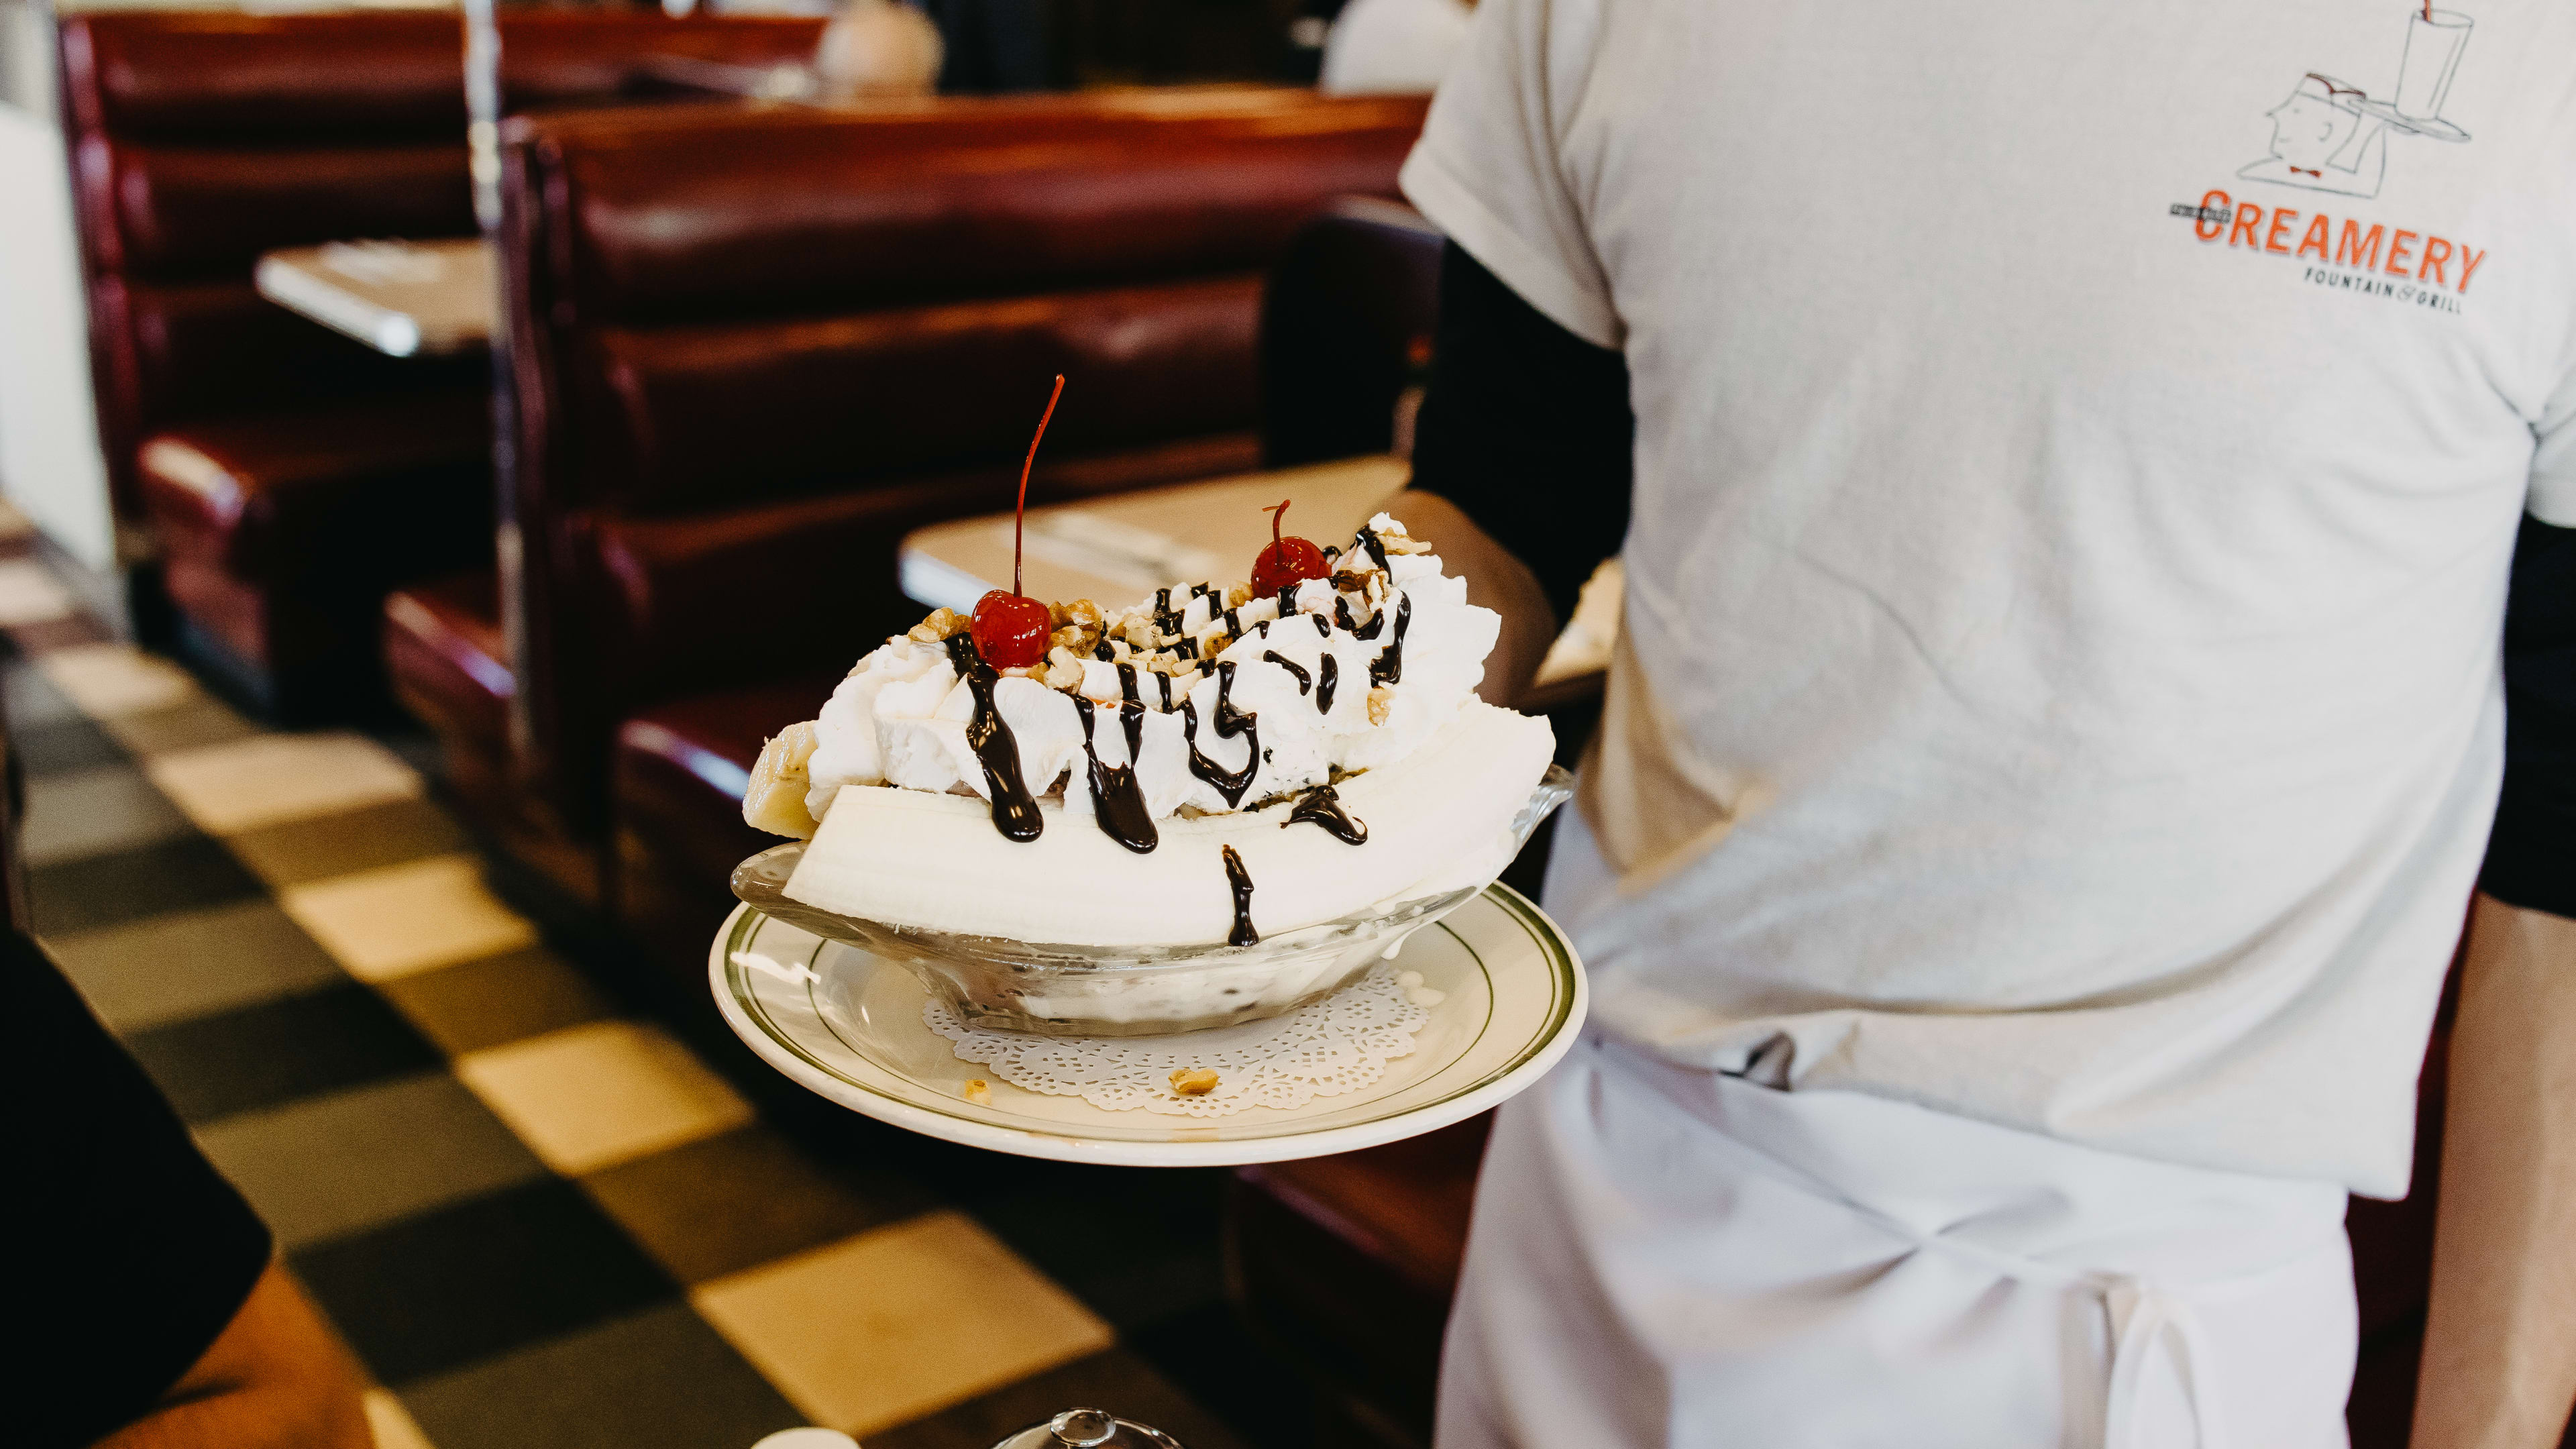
(537, 1218)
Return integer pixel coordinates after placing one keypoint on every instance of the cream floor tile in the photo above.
(589, 1096)
(882, 1328)
(391, 1422)
(381, 924)
(113, 679)
(244, 784)
(29, 593)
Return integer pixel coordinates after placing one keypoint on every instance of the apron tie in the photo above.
(2146, 1319)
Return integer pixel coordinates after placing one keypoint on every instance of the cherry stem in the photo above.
(1020, 518)
(1276, 514)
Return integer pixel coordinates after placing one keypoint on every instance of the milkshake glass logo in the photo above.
(2331, 135)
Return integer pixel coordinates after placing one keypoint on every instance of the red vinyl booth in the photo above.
(754, 351)
(282, 475)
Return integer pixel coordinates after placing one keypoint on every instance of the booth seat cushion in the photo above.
(205, 76)
(271, 526)
(751, 215)
(689, 602)
(183, 211)
(448, 661)
(701, 412)
(681, 770)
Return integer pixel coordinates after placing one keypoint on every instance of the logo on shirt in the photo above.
(2332, 136)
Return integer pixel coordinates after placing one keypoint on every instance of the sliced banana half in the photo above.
(776, 800)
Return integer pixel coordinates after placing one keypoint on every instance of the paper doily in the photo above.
(1339, 1044)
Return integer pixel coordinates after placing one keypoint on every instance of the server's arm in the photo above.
(1522, 462)
(2500, 1342)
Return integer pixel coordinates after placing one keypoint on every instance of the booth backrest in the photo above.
(754, 351)
(201, 139)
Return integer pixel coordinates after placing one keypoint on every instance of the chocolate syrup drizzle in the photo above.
(1241, 879)
(1230, 784)
(1127, 683)
(1305, 681)
(1117, 802)
(1165, 681)
(1015, 814)
(1167, 620)
(1332, 675)
(1388, 667)
(1321, 806)
(1369, 540)
(1323, 626)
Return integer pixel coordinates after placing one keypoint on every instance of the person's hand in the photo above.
(1496, 580)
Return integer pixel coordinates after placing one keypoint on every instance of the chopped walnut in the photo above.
(1024, 671)
(1402, 543)
(1064, 674)
(1193, 1081)
(1075, 637)
(1353, 581)
(1083, 612)
(1381, 699)
(978, 1091)
(1238, 596)
(942, 624)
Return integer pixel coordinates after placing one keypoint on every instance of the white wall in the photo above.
(49, 457)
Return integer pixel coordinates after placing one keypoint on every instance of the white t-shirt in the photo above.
(2078, 458)
(1393, 47)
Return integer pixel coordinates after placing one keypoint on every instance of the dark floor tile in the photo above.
(1133, 1246)
(476, 1280)
(494, 1000)
(276, 1051)
(324, 1167)
(70, 744)
(745, 1198)
(105, 890)
(74, 815)
(659, 1379)
(316, 847)
(171, 967)
(1116, 1380)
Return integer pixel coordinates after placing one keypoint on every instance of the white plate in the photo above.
(848, 1026)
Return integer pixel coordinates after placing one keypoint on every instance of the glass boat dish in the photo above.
(1062, 990)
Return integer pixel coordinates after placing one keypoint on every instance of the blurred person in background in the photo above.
(877, 48)
(2058, 720)
(151, 1313)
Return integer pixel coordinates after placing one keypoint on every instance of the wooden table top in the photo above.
(400, 298)
(1117, 549)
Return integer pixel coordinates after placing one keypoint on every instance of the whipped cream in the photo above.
(1203, 767)
(901, 717)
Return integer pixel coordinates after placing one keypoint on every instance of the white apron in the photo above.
(1669, 1257)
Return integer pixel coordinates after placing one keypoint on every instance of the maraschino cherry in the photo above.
(1285, 561)
(1011, 628)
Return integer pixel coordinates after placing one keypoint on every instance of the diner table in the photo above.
(402, 298)
(1116, 549)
